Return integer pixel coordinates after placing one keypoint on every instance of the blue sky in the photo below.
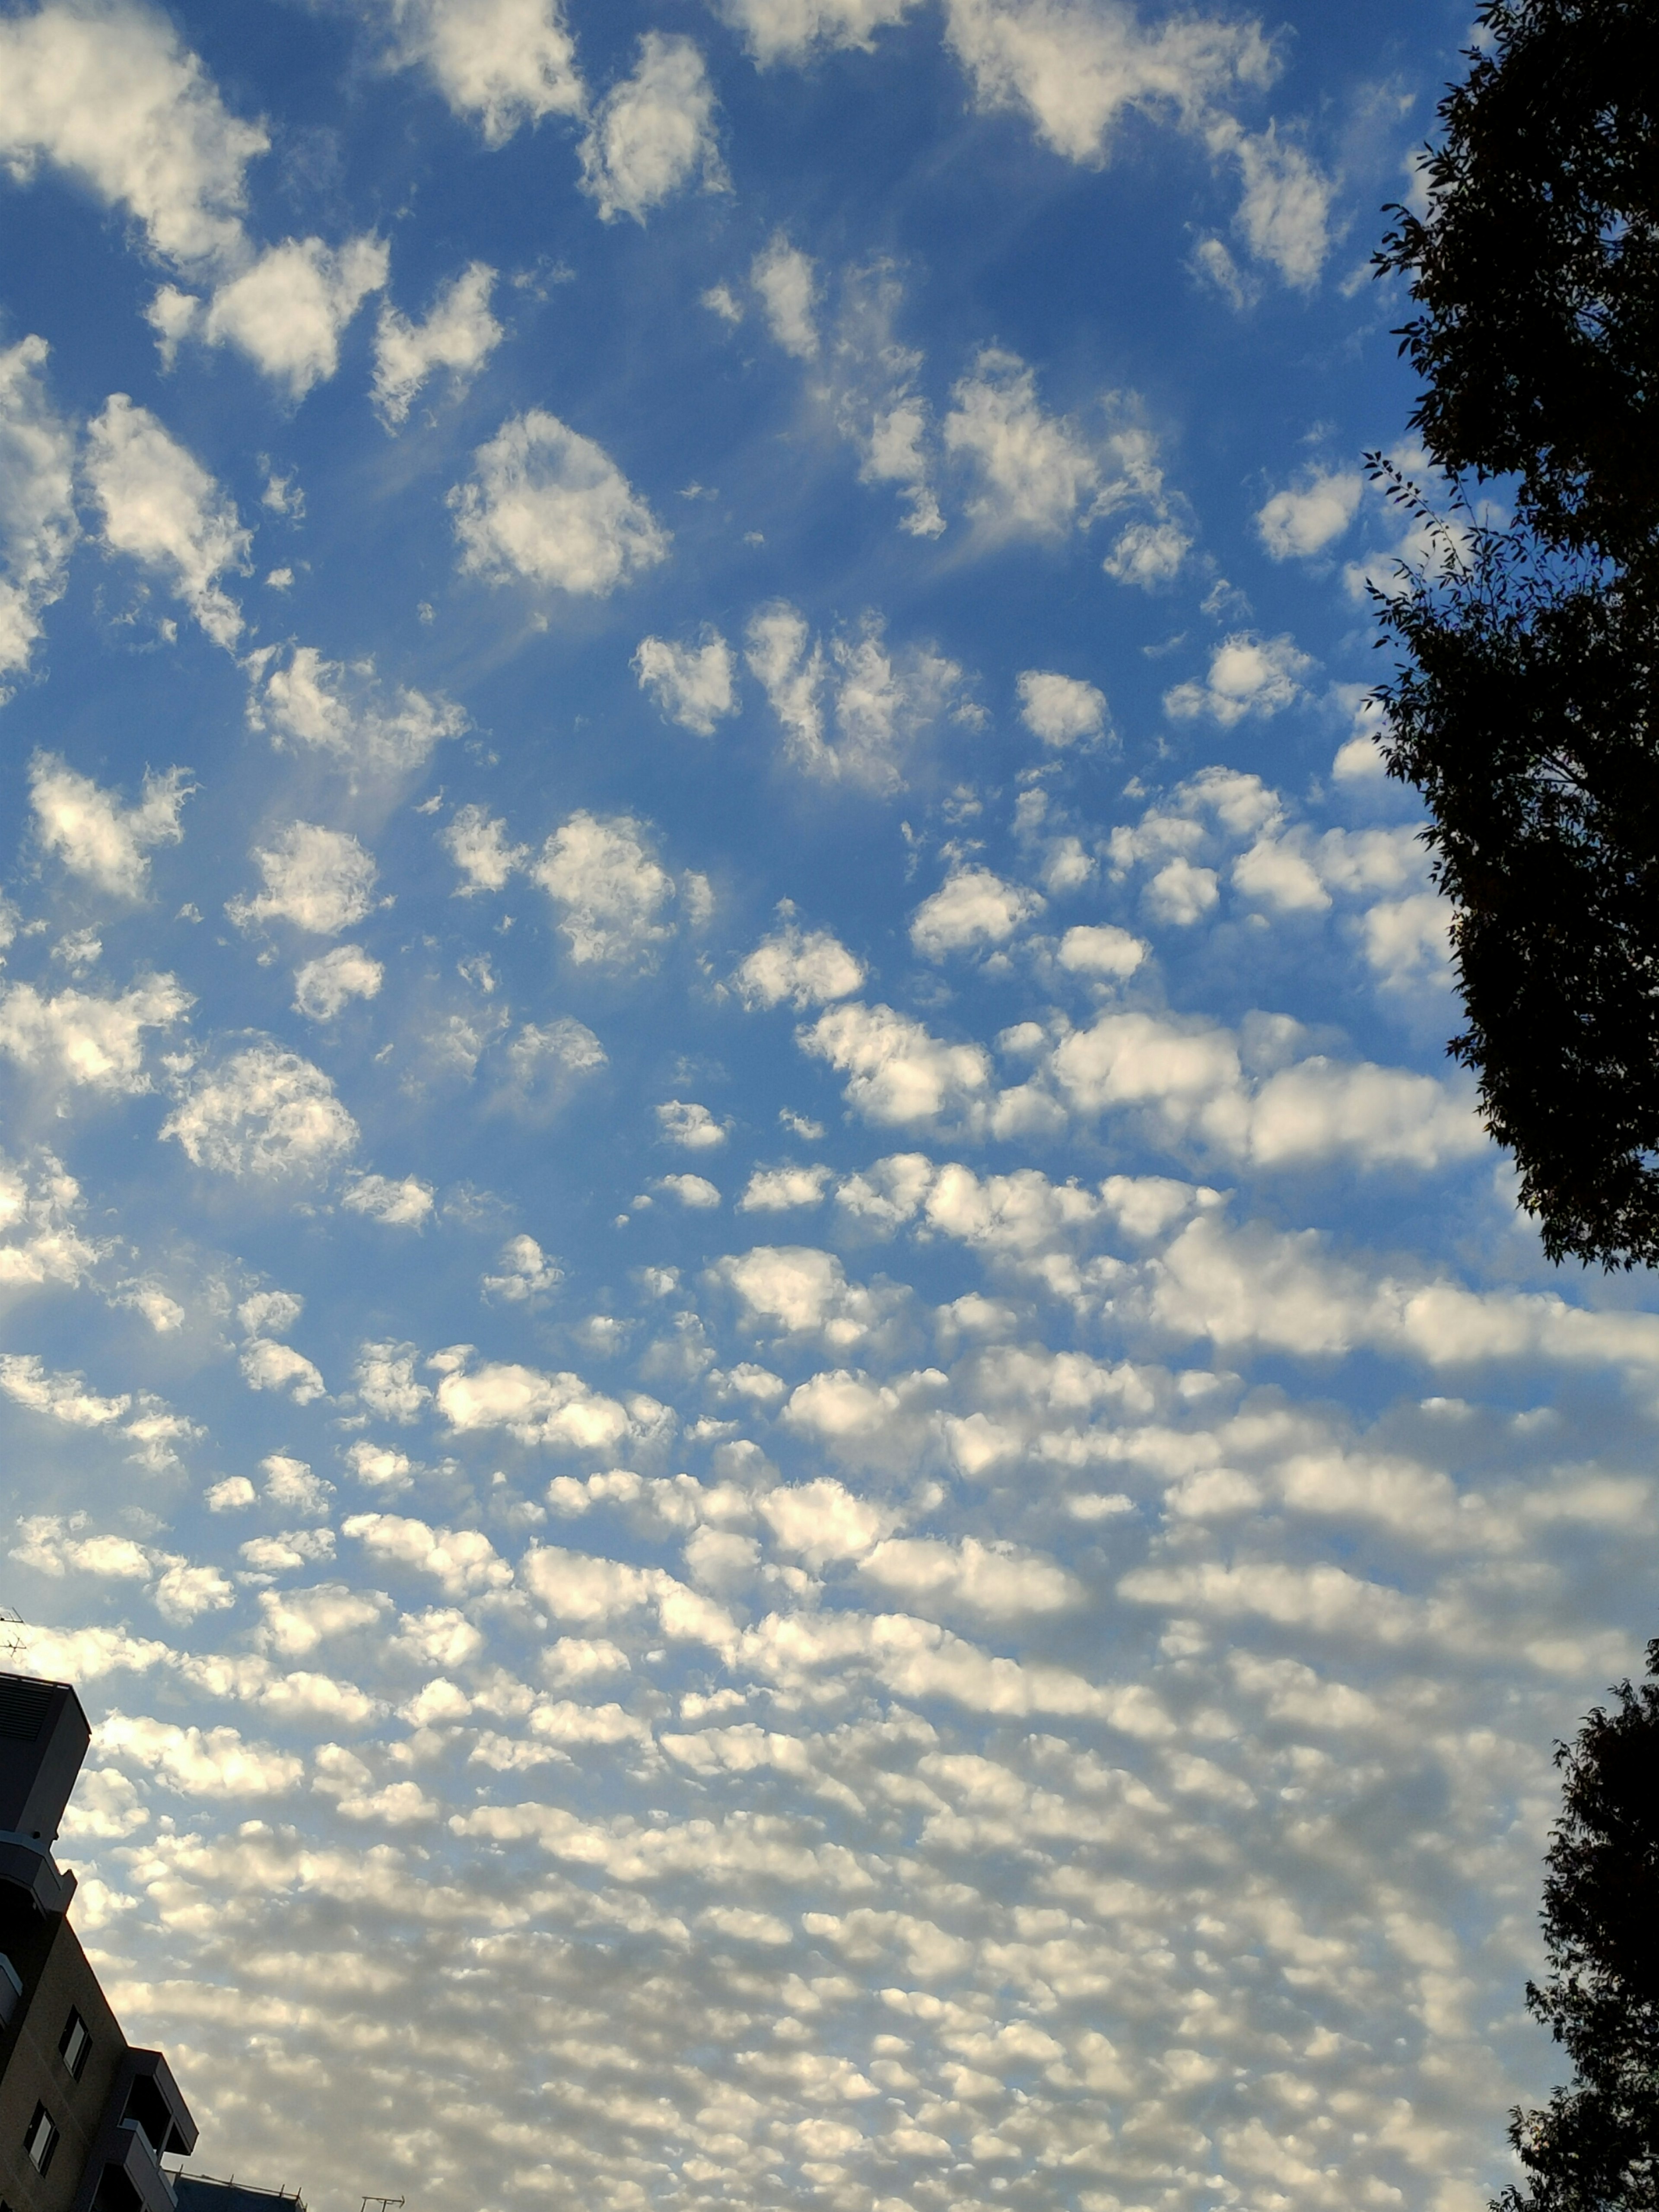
(777, 1404)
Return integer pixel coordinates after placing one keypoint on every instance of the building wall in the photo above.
(56, 1977)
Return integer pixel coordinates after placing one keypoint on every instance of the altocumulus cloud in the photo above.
(741, 1281)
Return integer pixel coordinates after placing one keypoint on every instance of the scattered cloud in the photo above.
(94, 835)
(109, 95)
(262, 1113)
(546, 506)
(344, 712)
(478, 845)
(972, 910)
(693, 686)
(160, 507)
(685, 1123)
(653, 132)
(288, 309)
(38, 524)
(460, 334)
(808, 968)
(405, 1203)
(321, 880)
(323, 986)
(854, 712)
(501, 63)
(81, 1041)
(1301, 521)
(1060, 710)
(786, 282)
(612, 894)
(1248, 676)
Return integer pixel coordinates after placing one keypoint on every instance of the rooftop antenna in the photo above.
(385, 2204)
(14, 1637)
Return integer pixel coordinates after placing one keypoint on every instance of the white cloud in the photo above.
(1190, 1077)
(996, 1580)
(478, 844)
(269, 1313)
(385, 1376)
(547, 506)
(1248, 676)
(524, 1271)
(821, 1521)
(322, 987)
(321, 880)
(684, 1123)
(1283, 215)
(1181, 894)
(462, 1561)
(405, 1203)
(543, 1065)
(693, 686)
(1148, 554)
(557, 1411)
(1076, 72)
(94, 835)
(267, 1365)
(265, 1113)
(1291, 1292)
(1061, 710)
(108, 94)
(971, 909)
(792, 30)
(38, 526)
(795, 1289)
(460, 334)
(200, 1763)
(1036, 474)
(161, 508)
(379, 1467)
(1097, 949)
(896, 1071)
(787, 282)
(693, 1190)
(287, 310)
(296, 1622)
(809, 968)
(777, 1190)
(1408, 942)
(1303, 521)
(612, 893)
(292, 1487)
(342, 711)
(502, 62)
(653, 131)
(26, 1380)
(39, 1240)
(88, 1042)
(880, 701)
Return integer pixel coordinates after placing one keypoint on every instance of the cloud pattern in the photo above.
(790, 1433)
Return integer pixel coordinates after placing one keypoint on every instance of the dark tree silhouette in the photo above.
(1527, 707)
(1595, 2147)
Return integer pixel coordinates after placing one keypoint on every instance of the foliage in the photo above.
(1537, 270)
(1595, 2147)
(1527, 719)
(1525, 710)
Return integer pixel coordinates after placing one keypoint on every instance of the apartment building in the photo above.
(87, 2119)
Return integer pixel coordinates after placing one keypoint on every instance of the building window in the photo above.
(41, 2140)
(75, 2044)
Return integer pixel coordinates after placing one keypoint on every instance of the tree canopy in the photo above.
(1595, 2147)
(1527, 707)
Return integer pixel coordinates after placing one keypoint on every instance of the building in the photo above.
(87, 2118)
